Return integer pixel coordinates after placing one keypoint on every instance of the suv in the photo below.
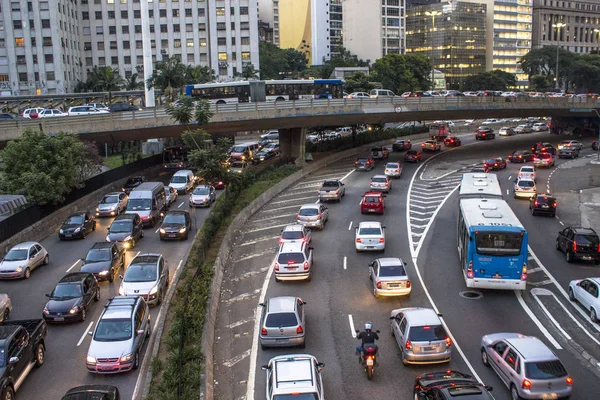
(579, 243)
(283, 322)
(420, 335)
(127, 229)
(543, 203)
(294, 375)
(295, 232)
(401, 145)
(104, 260)
(364, 163)
(119, 336)
(147, 276)
(380, 153)
(294, 261)
(526, 365)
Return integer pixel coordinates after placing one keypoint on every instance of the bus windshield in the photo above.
(499, 243)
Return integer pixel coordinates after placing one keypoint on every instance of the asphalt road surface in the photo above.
(67, 345)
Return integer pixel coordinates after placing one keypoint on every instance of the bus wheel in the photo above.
(280, 99)
(221, 102)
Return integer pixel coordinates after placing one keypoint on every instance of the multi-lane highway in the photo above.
(67, 344)
(420, 215)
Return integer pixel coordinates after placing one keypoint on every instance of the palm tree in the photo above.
(248, 71)
(133, 83)
(169, 75)
(199, 74)
(109, 80)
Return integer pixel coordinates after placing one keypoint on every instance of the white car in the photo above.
(238, 167)
(389, 277)
(525, 188)
(48, 113)
(540, 127)
(359, 95)
(32, 112)
(98, 106)
(5, 307)
(381, 182)
(506, 131)
(369, 236)
(527, 173)
(586, 292)
(85, 110)
(490, 121)
(393, 170)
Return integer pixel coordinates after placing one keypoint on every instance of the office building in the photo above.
(582, 25)
(336, 25)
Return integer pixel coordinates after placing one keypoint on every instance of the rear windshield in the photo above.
(238, 149)
(296, 396)
(330, 184)
(290, 258)
(292, 235)
(586, 240)
(545, 200)
(309, 212)
(411, 153)
(382, 180)
(527, 169)
(371, 199)
(281, 320)
(391, 270)
(369, 231)
(526, 183)
(499, 243)
(391, 165)
(544, 370)
(362, 160)
(427, 333)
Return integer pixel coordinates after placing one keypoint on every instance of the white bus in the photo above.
(480, 185)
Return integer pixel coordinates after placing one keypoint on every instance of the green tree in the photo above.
(542, 61)
(208, 158)
(279, 63)
(583, 75)
(133, 83)
(198, 74)
(248, 71)
(402, 73)
(343, 58)
(357, 82)
(539, 83)
(485, 80)
(187, 110)
(169, 76)
(295, 62)
(45, 169)
(510, 79)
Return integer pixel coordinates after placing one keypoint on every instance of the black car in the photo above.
(93, 392)
(104, 260)
(595, 145)
(579, 244)
(483, 168)
(126, 229)
(447, 385)
(541, 147)
(401, 145)
(120, 107)
(77, 226)
(484, 133)
(521, 156)
(175, 225)
(568, 152)
(413, 156)
(7, 116)
(263, 156)
(71, 298)
(452, 141)
(132, 183)
(543, 203)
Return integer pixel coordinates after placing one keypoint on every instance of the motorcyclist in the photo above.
(366, 337)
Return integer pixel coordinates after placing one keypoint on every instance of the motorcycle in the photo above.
(370, 358)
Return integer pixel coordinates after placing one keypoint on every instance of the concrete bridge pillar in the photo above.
(292, 145)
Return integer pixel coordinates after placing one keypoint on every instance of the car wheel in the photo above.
(27, 273)
(593, 315)
(132, 243)
(568, 256)
(571, 295)
(97, 296)
(403, 358)
(532, 211)
(557, 245)
(303, 344)
(514, 393)
(142, 234)
(8, 393)
(111, 276)
(375, 292)
(136, 360)
(149, 331)
(83, 234)
(94, 226)
(46, 260)
(484, 357)
(5, 315)
(83, 314)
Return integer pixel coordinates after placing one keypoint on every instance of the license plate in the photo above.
(549, 396)
(586, 258)
(68, 235)
(107, 368)
(59, 319)
(370, 247)
(172, 234)
(393, 285)
(544, 205)
(428, 348)
(281, 340)
(369, 362)
(291, 268)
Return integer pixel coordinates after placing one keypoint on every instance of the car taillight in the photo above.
(357, 240)
(280, 241)
(299, 330)
(448, 341)
(355, 162)
(569, 380)
(381, 240)
(574, 245)
(408, 345)
(276, 266)
(483, 134)
(526, 384)
(598, 247)
(378, 285)
(524, 272)
(263, 332)
(306, 265)
(520, 156)
(535, 203)
(407, 284)
(396, 170)
(319, 216)
(470, 273)
(337, 191)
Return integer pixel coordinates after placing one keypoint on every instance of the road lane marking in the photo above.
(550, 317)
(85, 333)
(262, 239)
(232, 361)
(296, 199)
(249, 274)
(239, 323)
(157, 229)
(560, 222)
(268, 227)
(510, 177)
(345, 260)
(347, 175)
(352, 329)
(278, 208)
(506, 191)
(182, 203)
(273, 217)
(73, 266)
(243, 296)
(350, 226)
(536, 321)
(254, 255)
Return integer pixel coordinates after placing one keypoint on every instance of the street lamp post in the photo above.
(432, 14)
(558, 26)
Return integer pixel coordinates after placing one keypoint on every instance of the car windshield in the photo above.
(296, 396)
(490, 161)
(292, 235)
(281, 320)
(330, 184)
(179, 179)
(411, 153)
(290, 258)
(113, 330)
(544, 370)
(132, 181)
(369, 231)
(426, 333)
(67, 290)
(526, 183)
(309, 212)
(16, 255)
(139, 205)
(122, 226)
(174, 219)
(586, 240)
(391, 270)
(499, 243)
(74, 220)
(140, 273)
(238, 149)
(201, 190)
(109, 200)
(391, 165)
(96, 255)
(379, 180)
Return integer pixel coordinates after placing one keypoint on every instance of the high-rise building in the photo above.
(48, 46)
(452, 35)
(336, 26)
(581, 31)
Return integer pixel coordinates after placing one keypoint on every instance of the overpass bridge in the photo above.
(293, 117)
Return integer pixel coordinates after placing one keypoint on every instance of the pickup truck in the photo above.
(22, 347)
(332, 189)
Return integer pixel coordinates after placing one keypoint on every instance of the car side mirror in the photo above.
(422, 394)
(90, 333)
(440, 315)
(384, 227)
(377, 331)
(304, 302)
(261, 304)
(311, 248)
(140, 332)
(47, 295)
(264, 367)
(108, 229)
(13, 360)
(404, 263)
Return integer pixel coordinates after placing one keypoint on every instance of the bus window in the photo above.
(498, 243)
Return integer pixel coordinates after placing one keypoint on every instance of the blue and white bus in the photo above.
(492, 245)
(479, 185)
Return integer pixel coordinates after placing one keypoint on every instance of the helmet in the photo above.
(368, 326)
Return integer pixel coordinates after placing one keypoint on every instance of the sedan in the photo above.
(77, 226)
(389, 277)
(5, 307)
(104, 260)
(413, 156)
(524, 128)
(175, 225)
(401, 145)
(172, 195)
(448, 385)
(263, 155)
(71, 298)
(495, 164)
(112, 204)
(358, 95)
(393, 170)
(369, 236)
(544, 160)
(506, 131)
(568, 152)
(521, 156)
(587, 292)
(48, 113)
(120, 107)
(22, 259)
(381, 182)
(570, 143)
(202, 196)
(283, 323)
(452, 141)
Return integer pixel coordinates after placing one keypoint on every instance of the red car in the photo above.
(452, 141)
(495, 164)
(372, 202)
(413, 156)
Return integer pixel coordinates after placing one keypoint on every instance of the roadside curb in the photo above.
(207, 388)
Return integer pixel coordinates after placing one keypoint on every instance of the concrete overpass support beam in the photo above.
(292, 144)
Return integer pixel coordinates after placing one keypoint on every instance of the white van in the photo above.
(183, 181)
(375, 93)
(148, 201)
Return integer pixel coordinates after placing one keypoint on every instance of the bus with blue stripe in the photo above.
(492, 245)
(479, 185)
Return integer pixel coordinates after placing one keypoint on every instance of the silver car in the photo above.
(294, 376)
(526, 366)
(295, 232)
(283, 322)
(203, 196)
(147, 276)
(5, 307)
(171, 195)
(389, 277)
(22, 259)
(393, 170)
(586, 292)
(421, 336)
(525, 188)
(112, 204)
(313, 215)
(369, 236)
(293, 261)
(381, 183)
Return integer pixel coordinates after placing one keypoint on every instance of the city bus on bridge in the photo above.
(492, 245)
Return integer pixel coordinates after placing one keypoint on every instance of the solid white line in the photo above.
(347, 175)
(425, 202)
(536, 321)
(73, 266)
(157, 229)
(85, 333)
(345, 259)
(551, 318)
(510, 177)
(352, 329)
(350, 226)
(182, 203)
(560, 222)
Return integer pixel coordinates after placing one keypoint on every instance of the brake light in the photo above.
(598, 247)
(306, 265)
(526, 384)
(483, 134)
(381, 240)
(524, 272)
(520, 156)
(535, 203)
(407, 284)
(408, 345)
(378, 285)
(574, 245)
(337, 191)
(263, 332)
(280, 241)
(448, 341)
(569, 380)
(299, 330)
(277, 267)
(290, 262)
(396, 170)
(319, 216)
(355, 162)
(357, 240)
(470, 273)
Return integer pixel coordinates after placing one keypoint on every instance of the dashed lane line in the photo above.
(243, 296)
(262, 239)
(249, 274)
(352, 329)
(254, 255)
(182, 203)
(296, 199)
(350, 226)
(232, 361)
(74, 265)
(345, 262)
(268, 227)
(85, 333)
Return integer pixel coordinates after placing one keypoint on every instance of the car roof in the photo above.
(306, 206)
(184, 212)
(24, 245)
(104, 389)
(146, 258)
(102, 245)
(373, 194)
(293, 227)
(390, 261)
(369, 224)
(421, 316)
(282, 304)
(379, 176)
(74, 277)
(583, 231)
(292, 246)
(122, 308)
(124, 216)
(527, 167)
(79, 213)
(293, 371)
(532, 348)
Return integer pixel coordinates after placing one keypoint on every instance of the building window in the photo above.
(17, 24)
(243, 10)
(233, 41)
(124, 14)
(202, 42)
(223, 71)
(222, 41)
(113, 44)
(188, 12)
(151, 28)
(48, 58)
(201, 12)
(151, 13)
(21, 60)
(85, 15)
(125, 28)
(245, 41)
(47, 41)
(137, 29)
(3, 43)
(222, 56)
(23, 76)
(89, 61)
(128, 74)
(101, 61)
(190, 58)
(177, 43)
(232, 26)
(189, 27)
(86, 31)
(100, 45)
(202, 26)
(137, 14)
(3, 77)
(19, 42)
(189, 42)
(176, 28)
(244, 25)
(87, 45)
(221, 26)
(175, 13)
(45, 7)
(15, 6)
(114, 60)
(126, 44)
(33, 41)
(98, 14)
(127, 60)
(139, 44)
(50, 76)
(164, 43)
(139, 60)
(100, 30)
(45, 23)
(220, 11)
(162, 13)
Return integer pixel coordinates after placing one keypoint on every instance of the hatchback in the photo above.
(369, 236)
(112, 204)
(545, 160)
(587, 293)
(358, 95)
(32, 112)
(47, 113)
(540, 127)
(521, 156)
(294, 376)
(104, 260)
(176, 225)
(282, 322)
(579, 244)
(22, 259)
(126, 229)
(413, 156)
(570, 143)
(527, 173)
(372, 202)
(420, 336)
(449, 385)
(147, 276)
(524, 188)
(313, 216)
(202, 196)
(506, 131)
(71, 298)
(382, 183)
(77, 226)
(543, 203)
(294, 261)
(543, 147)
(526, 366)
(366, 163)
(393, 170)
(568, 152)
(401, 145)
(295, 232)
(389, 277)
(495, 164)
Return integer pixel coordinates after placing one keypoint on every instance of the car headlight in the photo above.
(74, 310)
(121, 291)
(90, 360)
(46, 311)
(162, 230)
(103, 273)
(182, 230)
(97, 209)
(153, 290)
(127, 357)
(77, 229)
(19, 269)
(61, 231)
(107, 238)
